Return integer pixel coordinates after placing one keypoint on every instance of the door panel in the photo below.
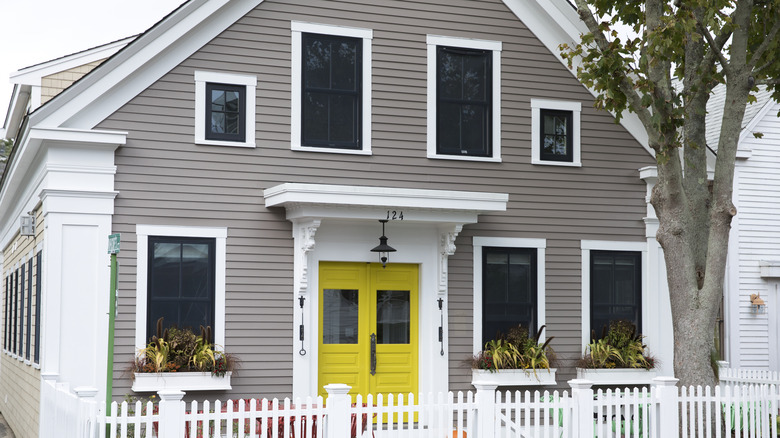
(359, 300)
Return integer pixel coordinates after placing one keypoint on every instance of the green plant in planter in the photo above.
(619, 347)
(515, 350)
(174, 349)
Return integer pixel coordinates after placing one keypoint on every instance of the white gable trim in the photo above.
(748, 129)
(140, 64)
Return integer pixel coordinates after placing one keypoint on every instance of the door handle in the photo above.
(373, 354)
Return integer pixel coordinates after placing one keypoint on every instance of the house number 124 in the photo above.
(393, 215)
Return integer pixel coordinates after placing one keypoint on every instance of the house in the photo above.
(752, 276)
(259, 145)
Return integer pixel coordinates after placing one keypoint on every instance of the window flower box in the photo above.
(537, 377)
(185, 381)
(617, 376)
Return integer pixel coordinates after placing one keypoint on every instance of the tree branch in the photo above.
(716, 47)
(768, 82)
(634, 99)
(770, 38)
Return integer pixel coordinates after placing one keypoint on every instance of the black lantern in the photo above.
(383, 248)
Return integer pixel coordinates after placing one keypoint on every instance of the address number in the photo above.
(393, 215)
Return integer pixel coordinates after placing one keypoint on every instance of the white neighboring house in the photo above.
(751, 331)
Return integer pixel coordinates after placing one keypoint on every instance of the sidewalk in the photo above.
(5, 430)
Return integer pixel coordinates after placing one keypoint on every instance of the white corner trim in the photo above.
(248, 81)
(536, 122)
(507, 242)
(432, 42)
(606, 245)
(142, 248)
(296, 110)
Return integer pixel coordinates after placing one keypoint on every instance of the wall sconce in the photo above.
(27, 225)
(383, 248)
(757, 303)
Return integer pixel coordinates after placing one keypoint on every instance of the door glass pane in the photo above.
(340, 316)
(392, 316)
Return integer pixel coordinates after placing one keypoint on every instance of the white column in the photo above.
(657, 309)
(304, 369)
(338, 410)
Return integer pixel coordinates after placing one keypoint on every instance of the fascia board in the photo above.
(296, 194)
(24, 172)
(554, 23)
(144, 61)
(748, 129)
(16, 110)
(32, 75)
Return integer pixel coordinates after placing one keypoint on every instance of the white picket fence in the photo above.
(660, 411)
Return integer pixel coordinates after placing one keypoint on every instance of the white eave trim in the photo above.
(295, 194)
(80, 136)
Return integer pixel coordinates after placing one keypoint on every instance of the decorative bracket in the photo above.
(303, 235)
(446, 249)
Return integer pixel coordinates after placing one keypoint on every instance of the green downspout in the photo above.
(113, 249)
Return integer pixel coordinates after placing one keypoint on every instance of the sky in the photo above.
(35, 31)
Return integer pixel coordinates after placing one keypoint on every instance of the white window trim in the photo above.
(605, 245)
(536, 124)
(495, 46)
(300, 27)
(219, 234)
(506, 242)
(249, 81)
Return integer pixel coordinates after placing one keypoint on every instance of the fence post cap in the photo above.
(580, 383)
(665, 381)
(170, 394)
(486, 386)
(85, 391)
(337, 388)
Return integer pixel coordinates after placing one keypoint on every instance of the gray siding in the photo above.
(163, 178)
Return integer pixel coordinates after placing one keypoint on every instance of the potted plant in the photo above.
(179, 359)
(619, 357)
(515, 359)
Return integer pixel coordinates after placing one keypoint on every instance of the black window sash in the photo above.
(151, 320)
(21, 310)
(356, 94)
(38, 288)
(569, 156)
(29, 309)
(601, 314)
(443, 125)
(241, 135)
(531, 310)
(16, 312)
(7, 311)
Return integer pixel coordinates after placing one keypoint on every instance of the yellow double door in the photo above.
(368, 327)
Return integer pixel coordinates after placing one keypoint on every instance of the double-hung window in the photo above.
(331, 88)
(615, 289)
(181, 278)
(509, 286)
(509, 292)
(464, 98)
(225, 109)
(181, 282)
(555, 132)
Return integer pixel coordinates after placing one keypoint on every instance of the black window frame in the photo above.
(28, 340)
(38, 292)
(21, 309)
(15, 319)
(545, 156)
(357, 128)
(240, 136)
(600, 320)
(443, 125)
(151, 317)
(488, 334)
